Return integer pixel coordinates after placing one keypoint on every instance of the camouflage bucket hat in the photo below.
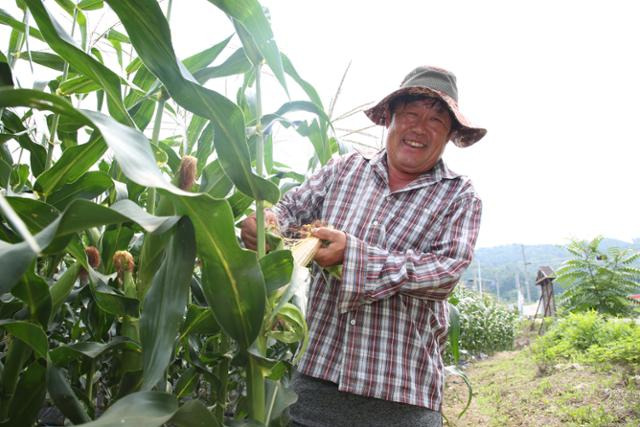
(437, 83)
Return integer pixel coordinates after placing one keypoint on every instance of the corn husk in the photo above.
(304, 250)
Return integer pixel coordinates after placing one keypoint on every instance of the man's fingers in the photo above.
(324, 233)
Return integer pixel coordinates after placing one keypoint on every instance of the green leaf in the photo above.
(250, 14)
(115, 238)
(454, 332)
(308, 88)
(231, 276)
(77, 84)
(64, 46)
(194, 414)
(63, 396)
(150, 35)
(34, 292)
(46, 59)
(66, 354)
(73, 164)
(13, 123)
(276, 268)
(80, 215)
(89, 186)
(9, 20)
(278, 399)
(214, 181)
(90, 4)
(141, 409)
(207, 56)
(30, 333)
(199, 320)
(165, 303)
(29, 396)
(130, 147)
(236, 63)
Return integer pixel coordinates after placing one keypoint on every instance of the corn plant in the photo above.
(125, 295)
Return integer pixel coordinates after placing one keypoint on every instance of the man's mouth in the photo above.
(413, 143)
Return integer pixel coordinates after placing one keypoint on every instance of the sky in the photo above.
(554, 82)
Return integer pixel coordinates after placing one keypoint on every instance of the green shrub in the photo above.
(589, 337)
(486, 326)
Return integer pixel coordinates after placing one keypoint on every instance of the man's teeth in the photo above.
(414, 144)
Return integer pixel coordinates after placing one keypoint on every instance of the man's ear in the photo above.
(387, 118)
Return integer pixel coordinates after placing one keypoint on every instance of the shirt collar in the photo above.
(440, 171)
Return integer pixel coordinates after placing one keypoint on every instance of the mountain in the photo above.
(498, 267)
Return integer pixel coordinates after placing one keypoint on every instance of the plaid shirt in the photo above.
(380, 332)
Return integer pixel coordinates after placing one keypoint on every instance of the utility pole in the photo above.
(526, 282)
(519, 295)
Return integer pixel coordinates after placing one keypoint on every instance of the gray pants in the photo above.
(321, 404)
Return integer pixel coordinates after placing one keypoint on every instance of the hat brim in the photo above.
(465, 134)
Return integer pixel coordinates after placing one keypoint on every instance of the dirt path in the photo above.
(509, 391)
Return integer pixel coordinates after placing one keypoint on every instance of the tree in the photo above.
(599, 280)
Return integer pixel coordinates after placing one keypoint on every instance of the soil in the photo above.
(510, 390)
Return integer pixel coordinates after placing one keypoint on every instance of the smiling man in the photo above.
(403, 226)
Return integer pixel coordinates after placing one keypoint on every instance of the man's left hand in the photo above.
(332, 251)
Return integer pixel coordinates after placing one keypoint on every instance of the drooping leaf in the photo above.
(130, 147)
(64, 46)
(9, 20)
(205, 57)
(237, 63)
(66, 354)
(141, 409)
(38, 156)
(89, 186)
(80, 215)
(194, 413)
(165, 303)
(30, 333)
(231, 276)
(155, 49)
(250, 14)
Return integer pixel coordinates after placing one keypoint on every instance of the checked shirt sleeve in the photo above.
(371, 273)
(302, 205)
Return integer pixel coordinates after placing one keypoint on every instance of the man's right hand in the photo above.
(248, 230)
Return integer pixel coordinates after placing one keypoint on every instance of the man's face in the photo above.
(417, 135)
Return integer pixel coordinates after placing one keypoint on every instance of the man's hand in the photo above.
(332, 252)
(248, 230)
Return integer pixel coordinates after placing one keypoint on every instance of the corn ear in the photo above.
(304, 250)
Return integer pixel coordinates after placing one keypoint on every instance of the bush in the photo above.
(589, 338)
(486, 326)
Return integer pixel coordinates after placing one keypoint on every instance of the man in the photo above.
(403, 226)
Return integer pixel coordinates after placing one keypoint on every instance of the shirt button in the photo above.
(375, 223)
(353, 322)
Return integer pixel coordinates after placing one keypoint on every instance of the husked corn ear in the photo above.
(304, 250)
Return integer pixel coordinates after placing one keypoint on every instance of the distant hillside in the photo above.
(499, 266)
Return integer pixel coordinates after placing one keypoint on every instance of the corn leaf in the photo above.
(249, 13)
(232, 280)
(141, 409)
(151, 37)
(165, 304)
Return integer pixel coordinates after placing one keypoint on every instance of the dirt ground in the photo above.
(508, 390)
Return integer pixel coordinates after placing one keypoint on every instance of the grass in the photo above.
(510, 391)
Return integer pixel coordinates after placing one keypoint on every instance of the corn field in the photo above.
(125, 295)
